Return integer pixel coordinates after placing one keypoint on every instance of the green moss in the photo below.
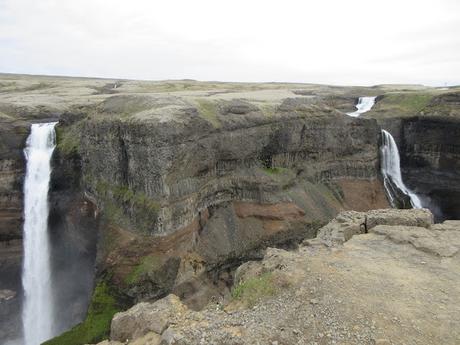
(148, 264)
(96, 326)
(254, 289)
(208, 111)
(117, 199)
(275, 170)
(67, 139)
(402, 104)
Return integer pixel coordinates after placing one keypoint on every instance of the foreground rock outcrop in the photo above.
(396, 284)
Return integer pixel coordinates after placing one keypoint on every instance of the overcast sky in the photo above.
(359, 42)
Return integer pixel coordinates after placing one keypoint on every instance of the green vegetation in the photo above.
(208, 110)
(147, 264)
(285, 177)
(254, 289)
(403, 104)
(126, 195)
(96, 326)
(116, 199)
(67, 139)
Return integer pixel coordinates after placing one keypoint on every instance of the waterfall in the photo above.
(37, 313)
(364, 104)
(391, 170)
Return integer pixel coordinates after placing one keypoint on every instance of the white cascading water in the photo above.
(391, 169)
(37, 313)
(364, 105)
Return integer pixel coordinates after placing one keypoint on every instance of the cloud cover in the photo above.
(357, 42)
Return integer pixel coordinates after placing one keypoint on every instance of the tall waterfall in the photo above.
(364, 104)
(391, 170)
(37, 313)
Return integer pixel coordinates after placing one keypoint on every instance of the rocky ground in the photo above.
(398, 283)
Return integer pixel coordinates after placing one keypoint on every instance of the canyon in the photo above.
(168, 187)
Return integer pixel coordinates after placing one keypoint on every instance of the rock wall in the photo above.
(194, 197)
(185, 166)
(426, 128)
(12, 139)
(431, 161)
(73, 229)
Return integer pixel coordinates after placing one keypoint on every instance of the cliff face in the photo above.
(184, 165)
(431, 161)
(216, 189)
(12, 139)
(426, 127)
(73, 229)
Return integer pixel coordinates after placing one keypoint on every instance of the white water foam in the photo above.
(364, 105)
(391, 169)
(37, 313)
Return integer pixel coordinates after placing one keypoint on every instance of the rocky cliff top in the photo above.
(395, 282)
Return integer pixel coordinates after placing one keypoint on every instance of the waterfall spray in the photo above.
(37, 314)
(391, 170)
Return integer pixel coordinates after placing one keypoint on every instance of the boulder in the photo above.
(340, 229)
(146, 317)
(350, 223)
(408, 217)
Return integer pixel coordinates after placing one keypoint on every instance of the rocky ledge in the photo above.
(395, 281)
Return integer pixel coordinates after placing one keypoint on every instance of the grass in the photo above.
(147, 264)
(251, 291)
(68, 139)
(208, 111)
(403, 104)
(96, 326)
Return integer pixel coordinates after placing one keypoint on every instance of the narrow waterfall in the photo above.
(364, 104)
(37, 313)
(391, 170)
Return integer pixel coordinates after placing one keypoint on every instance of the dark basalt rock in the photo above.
(430, 157)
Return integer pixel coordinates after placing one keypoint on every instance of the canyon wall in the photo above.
(184, 165)
(178, 183)
(207, 193)
(431, 162)
(12, 140)
(428, 137)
